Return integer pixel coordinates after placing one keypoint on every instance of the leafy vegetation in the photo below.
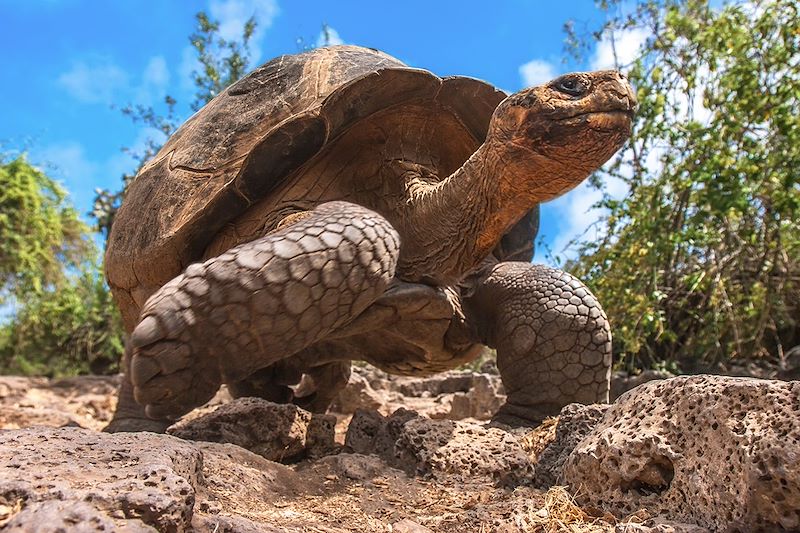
(70, 329)
(65, 321)
(700, 262)
(40, 232)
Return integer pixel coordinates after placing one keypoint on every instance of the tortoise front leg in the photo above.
(260, 302)
(552, 339)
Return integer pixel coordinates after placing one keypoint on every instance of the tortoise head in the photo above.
(560, 132)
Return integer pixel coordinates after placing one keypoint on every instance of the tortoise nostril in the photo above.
(623, 90)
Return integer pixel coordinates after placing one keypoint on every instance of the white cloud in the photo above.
(536, 72)
(68, 162)
(188, 66)
(155, 81)
(625, 45)
(101, 81)
(328, 37)
(156, 73)
(94, 83)
(232, 15)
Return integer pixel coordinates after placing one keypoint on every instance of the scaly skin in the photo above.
(260, 302)
(552, 339)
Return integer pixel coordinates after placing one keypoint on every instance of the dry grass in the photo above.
(560, 514)
(535, 441)
(9, 509)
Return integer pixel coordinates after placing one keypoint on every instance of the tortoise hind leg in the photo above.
(316, 383)
(321, 385)
(260, 302)
(552, 339)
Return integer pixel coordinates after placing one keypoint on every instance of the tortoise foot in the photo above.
(170, 377)
(552, 338)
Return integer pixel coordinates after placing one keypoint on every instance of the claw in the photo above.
(147, 332)
(143, 369)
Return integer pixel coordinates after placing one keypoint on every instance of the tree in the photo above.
(65, 321)
(71, 329)
(220, 62)
(40, 232)
(700, 261)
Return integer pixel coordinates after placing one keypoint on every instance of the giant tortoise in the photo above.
(338, 205)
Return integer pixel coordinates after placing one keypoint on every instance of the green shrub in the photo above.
(64, 321)
(72, 329)
(40, 233)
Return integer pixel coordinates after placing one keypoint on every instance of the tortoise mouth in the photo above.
(606, 121)
(628, 113)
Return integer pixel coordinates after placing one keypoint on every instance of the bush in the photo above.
(40, 232)
(64, 319)
(700, 262)
(72, 329)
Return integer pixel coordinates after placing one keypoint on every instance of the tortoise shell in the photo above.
(247, 143)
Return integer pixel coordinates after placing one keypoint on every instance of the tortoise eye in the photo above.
(571, 86)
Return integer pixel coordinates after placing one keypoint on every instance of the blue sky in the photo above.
(65, 64)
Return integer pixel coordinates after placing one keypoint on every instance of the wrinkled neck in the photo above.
(457, 222)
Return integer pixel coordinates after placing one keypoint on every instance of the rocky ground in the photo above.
(703, 453)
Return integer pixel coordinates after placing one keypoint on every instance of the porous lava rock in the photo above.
(72, 479)
(64, 516)
(575, 421)
(657, 525)
(278, 432)
(86, 481)
(440, 448)
(481, 400)
(453, 395)
(720, 452)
